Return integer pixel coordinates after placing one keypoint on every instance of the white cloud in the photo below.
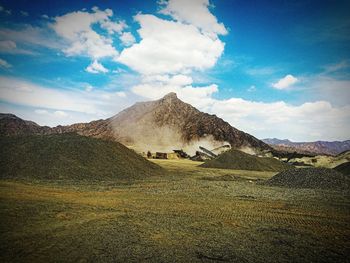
(96, 67)
(27, 34)
(127, 38)
(113, 27)
(20, 92)
(45, 16)
(323, 87)
(261, 71)
(194, 12)
(8, 46)
(41, 111)
(60, 114)
(336, 67)
(121, 94)
(170, 47)
(307, 121)
(89, 88)
(118, 70)
(155, 87)
(283, 120)
(285, 82)
(4, 64)
(56, 114)
(76, 29)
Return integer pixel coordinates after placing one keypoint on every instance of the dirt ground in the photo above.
(189, 214)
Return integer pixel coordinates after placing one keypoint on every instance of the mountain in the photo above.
(12, 125)
(318, 147)
(170, 123)
(160, 125)
(70, 156)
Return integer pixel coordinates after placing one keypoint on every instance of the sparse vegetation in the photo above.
(188, 214)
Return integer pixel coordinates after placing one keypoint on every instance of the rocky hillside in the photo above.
(169, 122)
(161, 125)
(318, 147)
(12, 125)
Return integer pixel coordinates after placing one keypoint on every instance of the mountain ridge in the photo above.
(316, 147)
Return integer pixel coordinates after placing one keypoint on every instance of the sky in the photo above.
(274, 69)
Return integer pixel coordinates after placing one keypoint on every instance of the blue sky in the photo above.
(270, 68)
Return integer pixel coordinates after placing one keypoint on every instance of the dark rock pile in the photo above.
(70, 156)
(237, 160)
(316, 178)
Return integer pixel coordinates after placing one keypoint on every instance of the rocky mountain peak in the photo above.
(170, 95)
(169, 98)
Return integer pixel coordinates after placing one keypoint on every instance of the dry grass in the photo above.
(183, 216)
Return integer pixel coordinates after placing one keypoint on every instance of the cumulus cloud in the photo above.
(113, 27)
(195, 12)
(4, 64)
(307, 121)
(285, 82)
(96, 67)
(81, 39)
(127, 38)
(168, 47)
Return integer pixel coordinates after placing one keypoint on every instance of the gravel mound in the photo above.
(343, 168)
(316, 178)
(237, 160)
(70, 156)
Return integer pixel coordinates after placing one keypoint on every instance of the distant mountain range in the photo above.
(318, 147)
(160, 125)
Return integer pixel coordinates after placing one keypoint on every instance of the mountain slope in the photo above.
(70, 156)
(12, 125)
(318, 147)
(169, 122)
